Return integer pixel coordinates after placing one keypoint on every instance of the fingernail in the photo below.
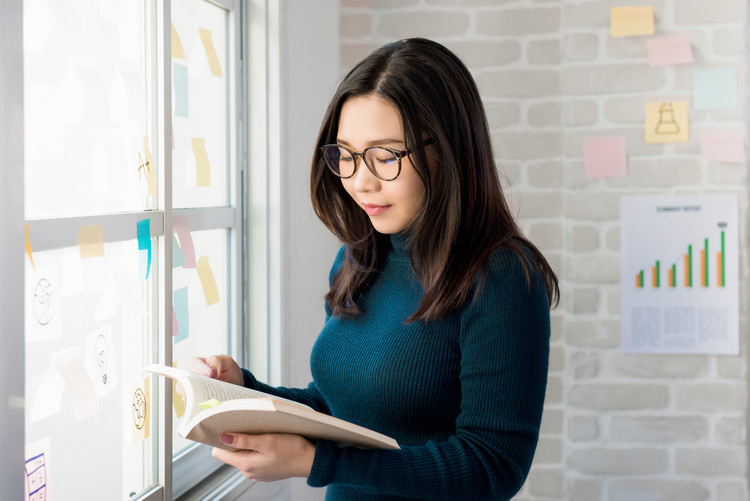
(227, 439)
(209, 372)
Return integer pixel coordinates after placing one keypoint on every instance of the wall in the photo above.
(616, 426)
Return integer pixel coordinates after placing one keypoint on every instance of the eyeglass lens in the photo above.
(381, 162)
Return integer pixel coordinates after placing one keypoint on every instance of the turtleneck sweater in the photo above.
(462, 395)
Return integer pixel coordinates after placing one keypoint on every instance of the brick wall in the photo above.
(617, 427)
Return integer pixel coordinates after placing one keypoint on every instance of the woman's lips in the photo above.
(375, 210)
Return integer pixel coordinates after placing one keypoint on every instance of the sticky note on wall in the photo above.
(208, 45)
(667, 122)
(631, 21)
(723, 147)
(186, 241)
(180, 84)
(207, 281)
(669, 50)
(604, 156)
(178, 52)
(202, 167)
(714, 88)
(181, 314)
(90, 241)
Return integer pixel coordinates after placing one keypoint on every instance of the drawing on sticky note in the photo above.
(101, 355)
(36, 478)
(142, 167)
(44, 302)
(139, 409)
(208, 45)
(666, 124)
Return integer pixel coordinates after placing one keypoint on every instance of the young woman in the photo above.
(437, 319)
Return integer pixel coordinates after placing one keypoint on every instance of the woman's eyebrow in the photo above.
(377, 142)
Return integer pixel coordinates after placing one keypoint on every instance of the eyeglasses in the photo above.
(384, 163)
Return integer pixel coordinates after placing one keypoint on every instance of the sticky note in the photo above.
(631, 21)
(723, 147)
(207, 281)
(177, 258)
(180, 85)
(90, 241)
(28, 248)
(202, 168)
(209, 403)
(143, 229)
(178, 52)
(78, 385)
(604, 156)
(186, 241)
(208, 45)
(667, 122)
(714, 88)
(138, 411)
(178, 401)
(151, 170)
(181, 313)
(669, 50)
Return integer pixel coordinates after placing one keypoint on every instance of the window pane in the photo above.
(201, 304)
(88, 335)
(85, 107)
(200, 159)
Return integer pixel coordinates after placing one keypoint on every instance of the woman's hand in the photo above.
(270, 457)
(221, 367)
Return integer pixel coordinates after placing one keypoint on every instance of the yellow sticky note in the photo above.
(177, 51)
(209, 403)
(667, 122)
(631, 21)
(202, 167)
(139, 412)
(178, 401)
(91, 241)
(208, 45)
(151, 167)
(207, 281)
(28, 248)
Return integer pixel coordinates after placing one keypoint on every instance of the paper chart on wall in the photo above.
(679, 273)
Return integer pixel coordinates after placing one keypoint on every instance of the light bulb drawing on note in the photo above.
(101, 354)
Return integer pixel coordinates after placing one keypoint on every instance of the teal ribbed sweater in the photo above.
(463, 395)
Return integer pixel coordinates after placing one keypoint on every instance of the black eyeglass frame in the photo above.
(399, 154)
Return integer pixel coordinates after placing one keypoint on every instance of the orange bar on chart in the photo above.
(653, 277)
(687, 270)
(703, 268)
(670, 277)
(719, 270)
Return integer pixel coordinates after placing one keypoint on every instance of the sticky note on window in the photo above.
(202, 167)
(208, 45)
(178, 52)
(669, 50)
(631, 21)
(604, 156)
(714, 88)
(723, 147)
(138, 411)
(180, 89)
(209, 403)
(207, 281)
(178, 259)
(150, 167)
(143, 230)
(90, 241)
(181, 314)
(667, 122)
(186, 241)
(28, 248)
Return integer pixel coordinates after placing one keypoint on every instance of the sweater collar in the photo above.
(398, 241)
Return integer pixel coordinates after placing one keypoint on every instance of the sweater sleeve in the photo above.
(504, 342)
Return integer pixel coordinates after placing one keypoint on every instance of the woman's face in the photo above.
(391, 205)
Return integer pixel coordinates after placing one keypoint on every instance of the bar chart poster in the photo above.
(679, 272)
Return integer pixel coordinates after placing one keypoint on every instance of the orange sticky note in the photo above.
(177, 51)
(667, 122)
(202, 167)
(28, 248)
(151, 169)
(631, 21)
(91, 241)
(207, 281)
(208, 45)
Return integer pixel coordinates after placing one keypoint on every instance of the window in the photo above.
(133, 195)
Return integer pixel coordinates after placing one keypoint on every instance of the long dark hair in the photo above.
(464, 216)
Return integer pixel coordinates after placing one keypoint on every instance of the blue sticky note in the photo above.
(178, 259)
(180, 305)
(180, 83)
(143, 229)
(714, 88)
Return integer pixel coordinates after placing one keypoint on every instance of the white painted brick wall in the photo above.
(617, 427)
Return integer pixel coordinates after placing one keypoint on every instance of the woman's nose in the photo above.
(364, 180)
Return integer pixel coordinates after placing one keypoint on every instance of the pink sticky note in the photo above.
(175, 327)
(186, 241)
(723, 147)
(669, 50)
(604, 156)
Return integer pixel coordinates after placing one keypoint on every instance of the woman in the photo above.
(437, 318)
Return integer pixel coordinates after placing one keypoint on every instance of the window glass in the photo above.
(85, 108)
(199, 104)
(87, 338)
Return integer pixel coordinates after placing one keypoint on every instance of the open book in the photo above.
(214, 407)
